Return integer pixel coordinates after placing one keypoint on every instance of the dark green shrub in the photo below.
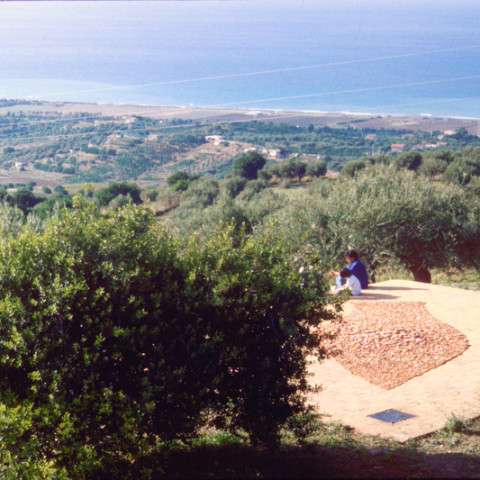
(292, 169)
(24, 199)
(317, 169)
(234, 185)
(180, 181)
(51, 204)
(303, 425)
(265, 317)
(104, 196)
(100, 318)
(351, 168)
(60, 190)
(201, 193)
(248, 165)
(114, 338)
(407, 161)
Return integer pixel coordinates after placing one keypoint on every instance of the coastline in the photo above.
(425, 122)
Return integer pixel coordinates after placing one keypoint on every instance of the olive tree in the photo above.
(248, 165)
(317, 169)
(387, 214)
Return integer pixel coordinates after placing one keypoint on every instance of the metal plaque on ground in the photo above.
(391, 416)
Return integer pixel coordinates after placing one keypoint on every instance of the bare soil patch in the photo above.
(388, 343)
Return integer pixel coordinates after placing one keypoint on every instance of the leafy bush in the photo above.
(55, 202)
(265, 315)
(24, 199)
(88, 347)
(462, 170)
(180, 181)
(115, 337)
(351, 168)
(12, 220)
(292, 169)
(60, 190)
(252, 188)
(407, 161)
(303, 425)
(201, 193)
(234, 185)
(104, 196)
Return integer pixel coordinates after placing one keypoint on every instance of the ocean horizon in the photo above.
(365, 56)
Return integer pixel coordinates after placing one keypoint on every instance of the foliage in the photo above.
(60, 190)
(91, 298)
(351, 168)
(179, 181)
(265, 315)
(248, 165)
(454, 425)
(291, 169)
(303, 425)
(24, 199)
(252, 188)
(464, 167)
(407, 161)
(48, 206)
(434, 165)
(12, 220)
(23, 457)
(252, 207)
(387, 214)
(115, 337)
(201, 193)
(105, 195)
(317, 169)
(234, 185)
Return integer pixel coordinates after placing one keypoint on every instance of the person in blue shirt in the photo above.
(356, 267)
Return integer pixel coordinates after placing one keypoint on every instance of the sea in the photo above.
(398, 57)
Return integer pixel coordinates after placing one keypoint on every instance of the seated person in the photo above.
(352, 283)
(356, 267)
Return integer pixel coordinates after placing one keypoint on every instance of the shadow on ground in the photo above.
(308, 461)
(380, 292)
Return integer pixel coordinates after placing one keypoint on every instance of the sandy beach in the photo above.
(302, 118)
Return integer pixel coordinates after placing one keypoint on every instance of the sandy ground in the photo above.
(432, 397)
(424, 123)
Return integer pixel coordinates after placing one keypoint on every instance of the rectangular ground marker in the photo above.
(391, 416)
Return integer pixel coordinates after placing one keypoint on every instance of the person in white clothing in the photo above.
(352, 283)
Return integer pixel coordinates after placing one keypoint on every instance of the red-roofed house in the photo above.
(397, 147)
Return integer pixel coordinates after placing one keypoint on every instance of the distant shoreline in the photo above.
(271, 111)
(303, 117)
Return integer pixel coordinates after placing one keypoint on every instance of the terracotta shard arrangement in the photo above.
(388, 343)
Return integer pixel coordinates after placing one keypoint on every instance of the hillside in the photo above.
(62, 143)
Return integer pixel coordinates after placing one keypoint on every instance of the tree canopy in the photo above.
(248, 165)
(387, 216)
(105, 195)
